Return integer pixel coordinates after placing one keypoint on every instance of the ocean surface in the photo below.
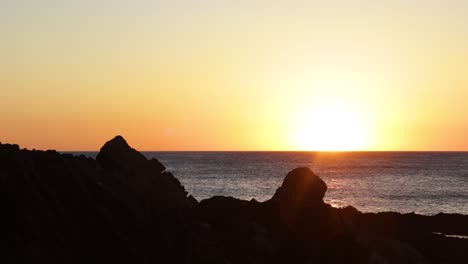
(420, 182)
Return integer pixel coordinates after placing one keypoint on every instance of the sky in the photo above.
(235, 75)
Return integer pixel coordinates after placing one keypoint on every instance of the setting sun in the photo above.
(309, 75)
(211, 131)
(331, 127)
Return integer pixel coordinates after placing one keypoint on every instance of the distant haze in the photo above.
(235, 75)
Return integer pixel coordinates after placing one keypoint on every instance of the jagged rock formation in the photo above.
(66, 209)
(124, 208)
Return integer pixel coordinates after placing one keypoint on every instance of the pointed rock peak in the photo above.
(117, 154)
(301, 184)
(119, 138)
(116, 142)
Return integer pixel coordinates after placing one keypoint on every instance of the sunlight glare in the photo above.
(331, 127)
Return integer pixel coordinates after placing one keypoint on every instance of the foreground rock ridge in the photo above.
(123, 208)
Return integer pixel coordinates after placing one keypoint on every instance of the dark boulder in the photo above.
(301, 185)
(298, 206)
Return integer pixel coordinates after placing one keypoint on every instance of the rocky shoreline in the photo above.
(124, 208)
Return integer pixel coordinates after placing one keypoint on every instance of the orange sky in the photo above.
(239, 75)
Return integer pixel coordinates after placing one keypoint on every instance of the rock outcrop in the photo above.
(124, 208)
(62, 208)
(156, 197)
(301, 186)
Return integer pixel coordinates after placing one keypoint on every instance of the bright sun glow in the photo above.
(331, 127)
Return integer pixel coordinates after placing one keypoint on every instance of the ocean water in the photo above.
(420, 182)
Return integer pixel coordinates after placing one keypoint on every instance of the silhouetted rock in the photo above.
(63, 208)
(56, 209)
(9, 147)
(299, 208)
(157, 198)
(124, 208)
(116, 154)
(301, 185)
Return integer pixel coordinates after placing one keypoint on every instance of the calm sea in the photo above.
(421, 182)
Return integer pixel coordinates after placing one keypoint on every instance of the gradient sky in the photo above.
(234, 75)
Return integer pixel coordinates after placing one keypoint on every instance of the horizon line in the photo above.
(323, 151)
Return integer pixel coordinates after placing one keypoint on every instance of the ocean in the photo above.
(421, 182)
